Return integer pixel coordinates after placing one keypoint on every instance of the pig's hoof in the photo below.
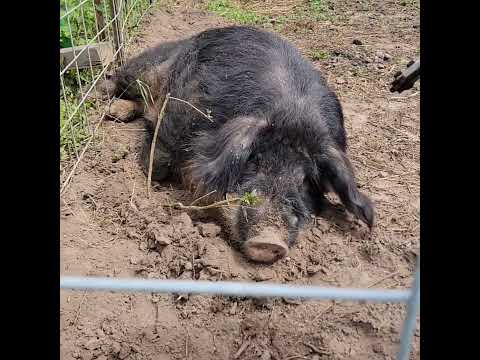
(265, 250)
(122, 110)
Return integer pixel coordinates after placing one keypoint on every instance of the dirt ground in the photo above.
(108, 226)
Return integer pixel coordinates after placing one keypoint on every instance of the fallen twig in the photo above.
(202, 197)
(209, 117)
(242, 349)
(217, 204)
(315, 349)
(154, 141)
(77, 314)
(383, 279)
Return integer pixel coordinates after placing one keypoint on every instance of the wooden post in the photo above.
(117, 28)
(100, 54)
(100, 20)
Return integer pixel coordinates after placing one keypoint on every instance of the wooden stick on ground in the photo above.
(154, 141)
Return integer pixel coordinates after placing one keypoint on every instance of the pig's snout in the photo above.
(266, 247)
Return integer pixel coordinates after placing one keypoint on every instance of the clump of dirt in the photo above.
(109, 227)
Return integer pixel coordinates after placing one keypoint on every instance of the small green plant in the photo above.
(250, 199)
(319, 9)
(319, 6)
(75, 133)
(317, 55)
(78, 27)
(232, 12)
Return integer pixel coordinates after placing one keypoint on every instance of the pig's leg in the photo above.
(124, 110)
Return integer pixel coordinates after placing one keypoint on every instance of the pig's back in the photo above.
(244, 71)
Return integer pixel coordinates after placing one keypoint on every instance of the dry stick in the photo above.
(133, 193)
(242, 349)
(383, 279)
(315, 349)
(79, 308)
(202, 197)
(211, 206)
(154, 141)
(193, 107)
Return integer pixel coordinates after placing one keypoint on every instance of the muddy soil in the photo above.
(110, 228)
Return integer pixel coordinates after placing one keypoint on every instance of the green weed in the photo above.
(232, 12)
(250, 199)
(317, 55)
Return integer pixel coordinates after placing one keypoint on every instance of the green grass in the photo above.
(79, 28)
(250, 199)
(230, 11)
(317, 55)
(319, 9)
(76, 131)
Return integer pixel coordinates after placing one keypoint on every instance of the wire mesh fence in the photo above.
(93, 37)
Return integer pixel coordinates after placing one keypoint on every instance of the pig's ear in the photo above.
(221, 156)
(336, 168)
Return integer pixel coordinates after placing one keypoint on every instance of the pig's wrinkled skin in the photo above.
(277, 130)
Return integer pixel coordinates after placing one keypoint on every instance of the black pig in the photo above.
(276, 130)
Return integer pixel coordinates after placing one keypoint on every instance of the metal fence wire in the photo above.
(410, 297)
(93, 37)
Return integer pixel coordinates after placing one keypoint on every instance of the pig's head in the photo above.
(279, 173)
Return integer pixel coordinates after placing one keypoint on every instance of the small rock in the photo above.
(115, 347)
(313, 269)
(378, 348)
(317, 232)
(132, 234)
(382, 56)
(291, 301)
(263, 303)
(86, 356)
(184, 219)
(263, 275)
(125, 350)
(266, 355)
(100, 333)
(155, 234)
(92, 344)
(88, 333)
(341, 80)
(233, 309)
(135, 348)
(101, 357)
(209, 230)
(357, 42)
(120, 154)
(133, 261)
